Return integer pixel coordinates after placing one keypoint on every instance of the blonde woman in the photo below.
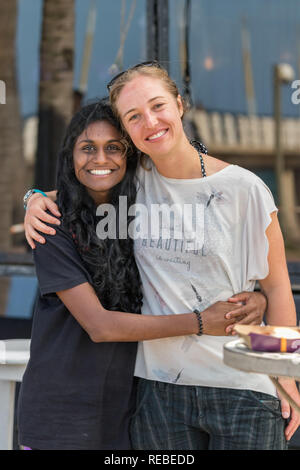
(242, 244)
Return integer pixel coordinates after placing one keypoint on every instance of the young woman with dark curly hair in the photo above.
(78, 389)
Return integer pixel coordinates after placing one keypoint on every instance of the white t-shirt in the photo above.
(179, 275)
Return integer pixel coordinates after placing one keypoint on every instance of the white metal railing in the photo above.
(236, 131)
(14, 356)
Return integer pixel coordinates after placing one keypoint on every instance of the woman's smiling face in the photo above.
(99, 159)
(151, 115)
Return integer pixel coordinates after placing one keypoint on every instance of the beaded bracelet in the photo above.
(199, 318)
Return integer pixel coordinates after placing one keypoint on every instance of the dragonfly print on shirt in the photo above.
(212, 202)
(198, 296)
(215, 195)
(171, 376)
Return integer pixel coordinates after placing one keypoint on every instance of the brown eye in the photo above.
(89, 148)
(114, 149)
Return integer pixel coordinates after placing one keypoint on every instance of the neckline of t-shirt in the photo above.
(193, 180)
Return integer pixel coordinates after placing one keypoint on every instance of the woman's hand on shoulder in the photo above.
(35, 216)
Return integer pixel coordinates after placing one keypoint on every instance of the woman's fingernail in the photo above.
(285, 414)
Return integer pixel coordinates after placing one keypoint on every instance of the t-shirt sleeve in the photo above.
(255, 242)
(58, 263)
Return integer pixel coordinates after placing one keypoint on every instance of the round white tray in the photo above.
(239, 356)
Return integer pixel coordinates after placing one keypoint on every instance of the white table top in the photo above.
(14, 351)
(239, 356)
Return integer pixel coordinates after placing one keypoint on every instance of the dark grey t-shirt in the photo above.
(75, 394)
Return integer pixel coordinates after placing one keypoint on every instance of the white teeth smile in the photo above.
(159, 134)
(100, 172)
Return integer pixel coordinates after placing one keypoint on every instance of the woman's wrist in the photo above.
(32, 198)
(206, 326)
(30, 194)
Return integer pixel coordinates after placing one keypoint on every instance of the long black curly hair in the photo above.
(111, 261)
